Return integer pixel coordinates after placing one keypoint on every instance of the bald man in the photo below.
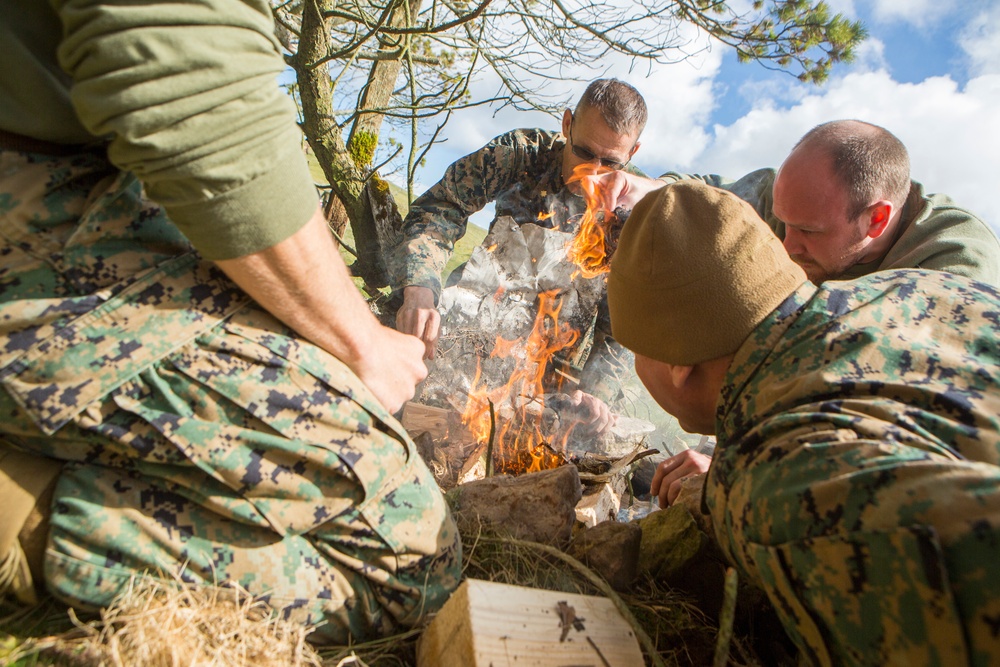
(844, 206)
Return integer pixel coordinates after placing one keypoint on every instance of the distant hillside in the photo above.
(473, 236)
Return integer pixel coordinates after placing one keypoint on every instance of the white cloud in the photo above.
(680, 98)
(948, 131)
(870, 55)
(981, 42)
(918, 13)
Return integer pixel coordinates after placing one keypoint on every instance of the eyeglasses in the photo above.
(587, 156)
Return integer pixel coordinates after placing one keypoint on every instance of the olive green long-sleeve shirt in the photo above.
(185, 96)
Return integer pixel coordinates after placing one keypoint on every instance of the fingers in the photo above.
(393, 374)
(420, 321)
(669, 475)
(597, 416)
(430, 331)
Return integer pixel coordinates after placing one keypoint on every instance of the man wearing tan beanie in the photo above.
(857, 474)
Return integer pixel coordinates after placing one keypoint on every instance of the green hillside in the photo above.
(473, 236)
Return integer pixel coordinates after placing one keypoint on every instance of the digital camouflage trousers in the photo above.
(202, 439)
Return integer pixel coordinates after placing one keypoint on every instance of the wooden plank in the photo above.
(486, 624)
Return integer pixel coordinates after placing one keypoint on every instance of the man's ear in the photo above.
(679, 375)
(567, 122)
(879, 216)
(634, 149)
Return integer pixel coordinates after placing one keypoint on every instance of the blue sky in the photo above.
(929, 72)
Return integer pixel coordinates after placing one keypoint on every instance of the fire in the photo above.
(545, 216)
(519, 443)
(587, 249)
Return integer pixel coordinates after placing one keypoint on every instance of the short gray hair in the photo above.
(869, 160)
(621, 105)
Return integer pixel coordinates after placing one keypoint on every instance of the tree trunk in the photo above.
(374, 217)
(327, 142)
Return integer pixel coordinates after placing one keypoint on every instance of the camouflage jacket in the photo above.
(846, 418)
(934, 233)
(903, 355)
(521, 171)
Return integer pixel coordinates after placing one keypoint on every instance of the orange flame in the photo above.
(545, 216)
(587, 249)
(519, 442)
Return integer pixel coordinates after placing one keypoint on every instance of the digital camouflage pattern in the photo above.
(202, 438)
(857, 473)
(934, 233)
(521, 171)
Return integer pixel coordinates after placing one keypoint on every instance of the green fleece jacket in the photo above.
(184, 94)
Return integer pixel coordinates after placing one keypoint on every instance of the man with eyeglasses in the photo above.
(526, 172)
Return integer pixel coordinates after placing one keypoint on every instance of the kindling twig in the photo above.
(489, 445)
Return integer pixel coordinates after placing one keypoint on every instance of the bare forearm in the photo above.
(303, 282)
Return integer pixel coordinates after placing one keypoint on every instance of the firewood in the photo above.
(486, 624)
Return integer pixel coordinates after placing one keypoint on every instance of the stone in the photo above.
(537, 507)
(671, 540)
(612, 550)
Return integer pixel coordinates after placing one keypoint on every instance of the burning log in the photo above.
(457, 456)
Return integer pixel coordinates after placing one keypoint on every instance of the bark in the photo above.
(373, 238)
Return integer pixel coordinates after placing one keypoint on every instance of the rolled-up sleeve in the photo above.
(187, 94)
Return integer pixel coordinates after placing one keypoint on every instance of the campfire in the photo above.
(520, 441)
(512, 344)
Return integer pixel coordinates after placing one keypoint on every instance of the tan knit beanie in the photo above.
(696, 270)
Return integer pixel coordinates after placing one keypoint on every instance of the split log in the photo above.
(600, 502)
(439, 422)
(487, 624)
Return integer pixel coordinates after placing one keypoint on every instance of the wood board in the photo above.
(486, 624)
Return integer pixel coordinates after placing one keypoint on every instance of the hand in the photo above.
(392, 373)
(620, 188)
(284, 278)
(595, 413)
(419, 317)
(666, 484)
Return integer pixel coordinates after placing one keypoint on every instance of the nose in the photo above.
(793, 242)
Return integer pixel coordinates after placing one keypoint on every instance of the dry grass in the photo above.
(157, 624)
(162, 624)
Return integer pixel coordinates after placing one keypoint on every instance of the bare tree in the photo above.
(409, 62)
